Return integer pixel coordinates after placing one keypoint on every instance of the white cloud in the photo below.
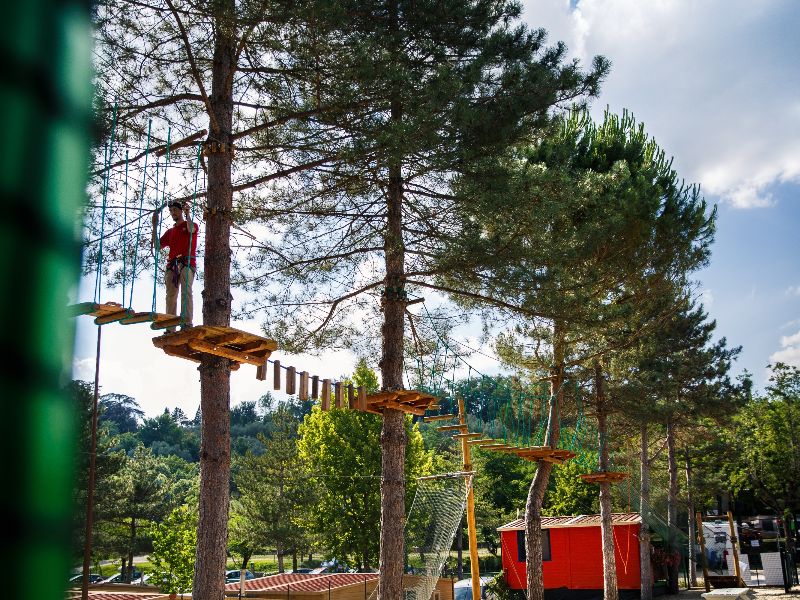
(706, 298)
(715, 82)
(791, 340)
(789, 352)
(790, 356)
(793, 290)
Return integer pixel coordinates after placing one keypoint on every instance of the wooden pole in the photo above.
(362, 398)
(472, 533)
(735, 544)
(337, 394)
(326, 394)
(291, 381)
(304, 385)
(703, 559)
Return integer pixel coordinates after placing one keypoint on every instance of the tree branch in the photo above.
(193, 66)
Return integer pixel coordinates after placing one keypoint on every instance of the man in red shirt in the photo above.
(177, 277)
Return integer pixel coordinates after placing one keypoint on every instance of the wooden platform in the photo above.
(407, 401)
(547, 454)
(533, 453)
(604, 477)
(239, 346)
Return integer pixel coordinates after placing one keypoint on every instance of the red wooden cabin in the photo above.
(572, 552)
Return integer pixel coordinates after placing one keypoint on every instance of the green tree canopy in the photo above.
(174, 550)
(121, 410)
(766, 441)
(274, 493)
(341, 450)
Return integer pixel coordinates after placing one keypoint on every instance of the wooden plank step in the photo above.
(149, 317)
(113, 317)
(458, 427)
(484, 441)
(162, 321)
(94, 309)
(493, 446)
(467, 436)
(431, 418)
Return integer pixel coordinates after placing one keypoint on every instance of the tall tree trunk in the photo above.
(393, 434)
(294, 560)
(672, 506)
(646, 568)
(533, 506)
(610, 591)
(127, 576)
(215, 459)
(279, 555)
(692, 534)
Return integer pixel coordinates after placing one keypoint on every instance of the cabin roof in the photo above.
(579, 521)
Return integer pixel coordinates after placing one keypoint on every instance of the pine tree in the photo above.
(195, 69)
(580, 236)
(427, 89)
(686, 374)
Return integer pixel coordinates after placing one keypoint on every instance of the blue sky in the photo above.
(717, 83)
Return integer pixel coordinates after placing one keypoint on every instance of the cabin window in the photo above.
(521, 555)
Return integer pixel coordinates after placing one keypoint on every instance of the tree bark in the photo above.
(127, 576)
(646, 568)
(212, 530)
(692, 533)
(672, 506)
(610, 590)
(533, 506)
(393, 433)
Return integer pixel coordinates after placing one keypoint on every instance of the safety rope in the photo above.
(159, 207)
(190, 226)
(141, 207)
(125, 233)
(109, 150)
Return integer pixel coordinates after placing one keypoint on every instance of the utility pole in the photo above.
(472, 533)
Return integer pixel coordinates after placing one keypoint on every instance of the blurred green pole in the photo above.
(45, 111)
(87, 540)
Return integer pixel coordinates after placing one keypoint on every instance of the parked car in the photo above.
(117, 578)
(93, 578)
(462, 589)
(334, 566)
(300, 570)
(235, 575)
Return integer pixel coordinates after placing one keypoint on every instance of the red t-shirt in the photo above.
(177, 239)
